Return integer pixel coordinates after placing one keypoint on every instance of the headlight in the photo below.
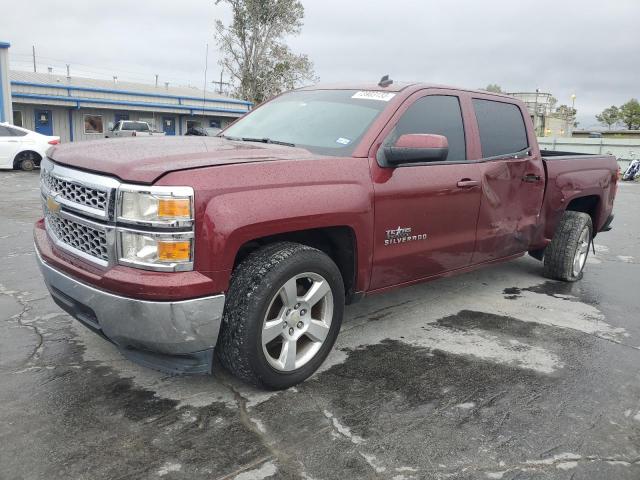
(155, 227)
(156, 206)
(156, 251)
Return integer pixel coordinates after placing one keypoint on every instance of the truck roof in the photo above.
(398, 87)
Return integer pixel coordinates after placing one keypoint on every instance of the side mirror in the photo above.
(416, 148)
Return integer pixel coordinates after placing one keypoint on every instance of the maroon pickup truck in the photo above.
(249, 244)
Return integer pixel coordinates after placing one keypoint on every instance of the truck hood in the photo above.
(146, 159)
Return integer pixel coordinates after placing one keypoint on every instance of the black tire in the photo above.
(254, 283)
(27, 161)
(560, 254)
(27, 164)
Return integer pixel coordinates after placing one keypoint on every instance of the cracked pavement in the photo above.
(496, 374)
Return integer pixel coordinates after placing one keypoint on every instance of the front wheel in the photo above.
(282, 316)
(566, 255)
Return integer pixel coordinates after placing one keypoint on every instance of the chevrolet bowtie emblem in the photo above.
(52, 204)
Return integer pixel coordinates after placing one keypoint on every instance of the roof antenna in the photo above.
(385, 81)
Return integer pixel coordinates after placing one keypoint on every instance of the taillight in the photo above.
(53, 142)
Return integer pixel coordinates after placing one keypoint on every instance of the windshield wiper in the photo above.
(268, 140)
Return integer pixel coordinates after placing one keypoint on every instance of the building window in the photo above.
(150, 121)
(192, 124)
(93, 124)
(17, 118)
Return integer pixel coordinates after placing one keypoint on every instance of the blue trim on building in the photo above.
(70, 125)
(80, 100)
(69, 88)
(5, 44)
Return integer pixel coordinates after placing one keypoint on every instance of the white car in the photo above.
(22, 148)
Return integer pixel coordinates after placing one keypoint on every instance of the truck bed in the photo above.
(590, 178)
(559, 155)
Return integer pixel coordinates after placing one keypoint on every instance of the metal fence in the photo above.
(624, 149)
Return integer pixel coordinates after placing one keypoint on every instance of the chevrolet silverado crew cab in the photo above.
(250, 244)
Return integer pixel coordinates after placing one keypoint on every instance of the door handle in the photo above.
(467, 182)
(12, 141)
(531, 178)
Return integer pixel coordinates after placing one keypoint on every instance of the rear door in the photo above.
(512, 179)
(425, 222)
(8, 146)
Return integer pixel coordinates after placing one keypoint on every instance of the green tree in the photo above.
(609, 116)
(566, 112)
(630, 114)
(254, 50)
(493, 88)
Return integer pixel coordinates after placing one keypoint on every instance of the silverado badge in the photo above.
(402, 235)
(52, 204)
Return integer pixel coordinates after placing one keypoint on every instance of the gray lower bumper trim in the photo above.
(146, 331)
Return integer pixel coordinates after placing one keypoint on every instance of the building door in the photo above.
(169, 125)
(121, 116)
(43, 121)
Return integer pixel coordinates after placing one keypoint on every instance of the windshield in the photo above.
(329, 122)
(137, 126)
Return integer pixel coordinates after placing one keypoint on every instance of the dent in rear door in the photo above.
(512, 183)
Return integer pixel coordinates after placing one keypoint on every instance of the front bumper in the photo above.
(172, 336)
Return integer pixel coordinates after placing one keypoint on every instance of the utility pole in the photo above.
(156, 80)
(204, 88)
(68, 72)
(33, 50)
(220, 83)
(535, 114)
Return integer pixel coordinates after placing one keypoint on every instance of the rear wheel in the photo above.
(282, 316)
(27, 161)
(565, 257)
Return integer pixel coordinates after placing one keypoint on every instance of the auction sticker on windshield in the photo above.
(373, 95)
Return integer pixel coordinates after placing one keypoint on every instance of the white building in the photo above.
(77, 108)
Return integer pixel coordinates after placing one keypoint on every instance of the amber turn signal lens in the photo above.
(174, 251)
(174, 208)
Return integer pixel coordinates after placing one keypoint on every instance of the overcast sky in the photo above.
(584, 47)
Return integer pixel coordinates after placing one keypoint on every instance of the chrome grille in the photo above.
(73, 192)
(88, 240)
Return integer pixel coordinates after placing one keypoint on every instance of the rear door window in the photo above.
(15, 132)
(502, 128)
(438, 115)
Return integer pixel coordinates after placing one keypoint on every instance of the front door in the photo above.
(425, 218)
(512, 181)
(43, 122)
(169, 125)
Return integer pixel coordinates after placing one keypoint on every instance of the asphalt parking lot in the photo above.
(497, 374)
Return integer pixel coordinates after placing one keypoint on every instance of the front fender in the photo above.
(235, 218)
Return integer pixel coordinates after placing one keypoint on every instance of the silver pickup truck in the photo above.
(130, 128)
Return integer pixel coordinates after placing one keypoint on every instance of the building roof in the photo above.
(128, 87)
